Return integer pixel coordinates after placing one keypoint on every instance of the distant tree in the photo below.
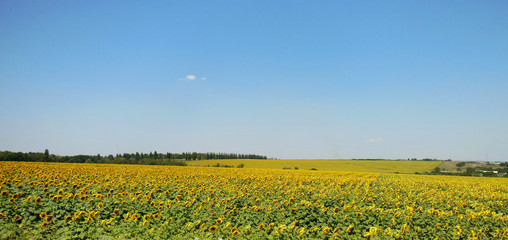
(46, 155)
(469, 171)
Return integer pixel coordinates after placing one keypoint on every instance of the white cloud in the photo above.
(191, 78)
(376, 140)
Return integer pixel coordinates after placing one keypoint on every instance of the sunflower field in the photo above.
(92, 201)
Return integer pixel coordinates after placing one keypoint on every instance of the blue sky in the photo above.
(286, 79)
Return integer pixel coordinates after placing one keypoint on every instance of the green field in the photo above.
(379, 166)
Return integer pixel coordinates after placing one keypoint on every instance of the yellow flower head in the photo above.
(261, 226)
(49, 218)
(16, 218)
(213, 228)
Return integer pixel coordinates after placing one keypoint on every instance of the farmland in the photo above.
(378, 166)
(85, 201)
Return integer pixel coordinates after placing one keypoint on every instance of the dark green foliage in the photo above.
(152, 158)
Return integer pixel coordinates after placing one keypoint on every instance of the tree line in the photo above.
(152, 158)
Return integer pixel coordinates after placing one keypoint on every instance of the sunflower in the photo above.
(16, 218)
(17, 195)
(43, 215)
(301, 232)
(213, 228)
(68, 218)
(44, 224)
(218, 221)
(100, 205)
(2, 215)
(49, 218)
(261, 226)
(336, 209)
(459, 230)
(270, 226)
